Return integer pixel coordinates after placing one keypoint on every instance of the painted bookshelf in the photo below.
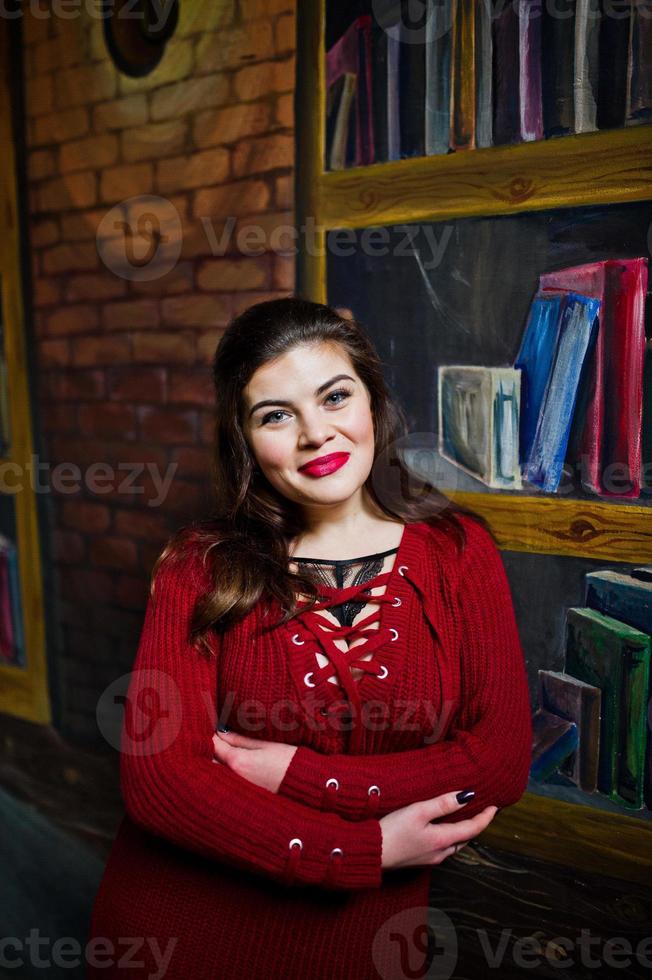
(24, 689)
(591, 169)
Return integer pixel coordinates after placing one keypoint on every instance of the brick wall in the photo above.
(123, 363)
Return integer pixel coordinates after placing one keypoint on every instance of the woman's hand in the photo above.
(262, 763)
(410, 838)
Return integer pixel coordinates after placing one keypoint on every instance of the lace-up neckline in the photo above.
(343, 573)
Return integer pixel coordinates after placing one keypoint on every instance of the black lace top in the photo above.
(342, 573)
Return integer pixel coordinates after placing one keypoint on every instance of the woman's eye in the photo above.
(340, 391)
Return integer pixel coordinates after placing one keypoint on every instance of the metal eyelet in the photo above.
(373, 789)
(381, 677)
(296, 840)
(299, 643)
(400, 570)
(395, 632)
(337, 850)
(397, 601)
(332, 782)
(306, 681)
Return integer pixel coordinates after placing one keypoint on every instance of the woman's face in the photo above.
(315, 405)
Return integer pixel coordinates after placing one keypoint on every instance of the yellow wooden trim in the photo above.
(576, 836)
(23, 691)
(552, 526)
(607, 167)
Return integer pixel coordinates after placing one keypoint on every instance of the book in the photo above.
(478, 411)
(529, 58)
(351, 54)
(338, 120)
(579, 702)
(393, 96)
(627, 598)
(557, 69)
(506, 72)
(379, 89)
(544, 464)
(639, 95)
(615, 657)
(534, 359)
(614, 48)
(438, 77)
(483, 75)
(554, 739)
(412, 86)
(12, 649)
(463, 78)
(587, 50)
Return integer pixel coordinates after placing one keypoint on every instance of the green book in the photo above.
(615, 657)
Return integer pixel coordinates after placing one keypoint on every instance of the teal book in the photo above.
(615, 657)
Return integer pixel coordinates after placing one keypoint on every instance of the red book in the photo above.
(611, 432)
(352, 54)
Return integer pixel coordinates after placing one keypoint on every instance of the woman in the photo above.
(325, 668)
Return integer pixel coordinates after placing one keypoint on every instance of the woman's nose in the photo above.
(314, 431)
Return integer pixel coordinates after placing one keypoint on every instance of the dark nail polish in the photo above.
(222, 728)
(465, 796)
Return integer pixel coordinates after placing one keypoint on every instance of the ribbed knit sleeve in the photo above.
(172, 787)
(488, 749)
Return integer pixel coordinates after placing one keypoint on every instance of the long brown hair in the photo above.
(244, 545)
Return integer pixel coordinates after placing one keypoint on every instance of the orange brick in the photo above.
(36, 26)
(77, 385)
(154, 140)
(57, 127)
(285, 34)
(107, 419)
(141, 523)
(193, 386)
(47, 292)
(121, 113)
(90, 351)
(92, 152)
(163, 348)
(192, 462)
(131, 315)
(73, 319)
(195, 311)
(39, 95)
(81, 227)
(43, 233)
(179, 279)
(263, 154)
(197, 18)
(75, 191)
(231, 123)
(167, 425)
(207, 342)
(284, 191)
(113, 552)
(284, 274)
(40, 164)
(174, 101)
(284, 114)
(70, 257)
(137, 384)
(197, 170)
(53, 353)
(233, 274)
(84, 515)
(130, 180)
(266, 8)
(256, 81)
(240, 198)
(85, 84)
(104, 285)
(232, 48)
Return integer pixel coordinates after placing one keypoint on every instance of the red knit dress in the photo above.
(220, 879)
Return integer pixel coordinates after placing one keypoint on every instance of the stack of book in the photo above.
(475, 73)
(12, 647)
(592, 721)
(574, 393)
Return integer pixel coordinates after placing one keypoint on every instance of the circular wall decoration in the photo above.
(136, 32)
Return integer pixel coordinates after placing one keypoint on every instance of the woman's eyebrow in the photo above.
(281, 401)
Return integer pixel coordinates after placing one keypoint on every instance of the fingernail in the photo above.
(222, 728)
(465, 795)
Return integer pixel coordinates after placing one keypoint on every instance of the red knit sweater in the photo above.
(250, 883)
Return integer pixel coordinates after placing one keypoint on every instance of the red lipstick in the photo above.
(324, 465)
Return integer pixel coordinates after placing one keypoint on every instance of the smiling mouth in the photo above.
(325, 465)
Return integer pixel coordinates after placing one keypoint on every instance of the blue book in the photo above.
(535, 361)
(438, 77)
(393, 96)
(554, 740)
(543, 466)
